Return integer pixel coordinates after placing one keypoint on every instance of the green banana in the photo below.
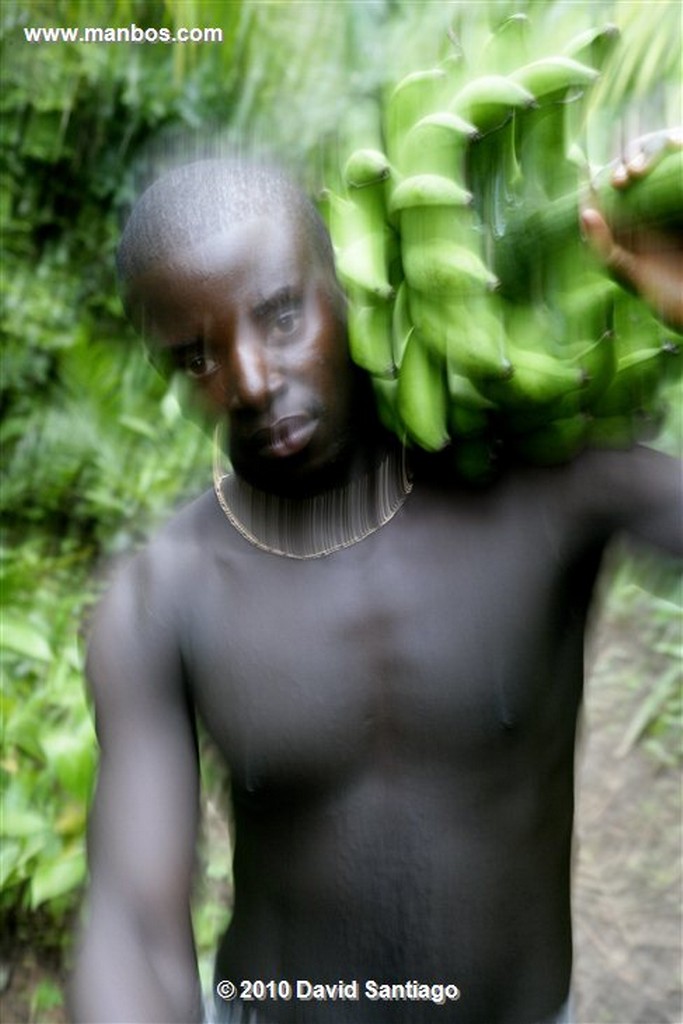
(364, 261)
(537, 231)
(594, 46)
(501, 49)
(453, 66)
(475, 459)
(436, 145)
(525, 419)
(494, 177)
(636, 381)
(542, 146)
(477, 345)
(421, 396)
(598, 363)
(467, 423)
(386, 394)
(463, 392)
(550, 76)
(422, 190)
(555, 442)
(649, 419)
(466, 336)
(585, 306)
(434, 223)
(672, 349)
(441, 268)
(361, 238)
(544, 133)
(538, 377)
(489, 100)
(370, 334)
(366, 167)
(623, 430)
(617, 431)
(576, 287)
(416, 96)
(635, 327)
(362, 265)
(401, 324)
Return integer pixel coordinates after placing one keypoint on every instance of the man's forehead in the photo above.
(254, 259)
(270, 242)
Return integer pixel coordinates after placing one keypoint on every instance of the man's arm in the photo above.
(137, 960)
(638, 493)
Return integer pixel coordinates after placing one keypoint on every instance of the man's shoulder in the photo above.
(189, 524)
(528, 480)
(592, 470)
(606, 492)
(616, 473)
(181, 532)
(593, 485)
(168, 558)
(135, 630)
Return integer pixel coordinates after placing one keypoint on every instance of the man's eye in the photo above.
(287, 321)
(199, 366)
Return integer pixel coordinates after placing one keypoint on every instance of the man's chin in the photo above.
(294, 475)
(281, 475)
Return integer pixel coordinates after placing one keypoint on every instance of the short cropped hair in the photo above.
(193, 201)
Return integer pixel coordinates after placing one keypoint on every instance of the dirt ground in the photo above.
(628, 914)
(628, 885)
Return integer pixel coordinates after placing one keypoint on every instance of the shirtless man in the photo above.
(396, 703)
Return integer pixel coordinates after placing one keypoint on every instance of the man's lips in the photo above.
(286, 436)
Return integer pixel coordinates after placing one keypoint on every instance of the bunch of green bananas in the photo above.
(474, 304)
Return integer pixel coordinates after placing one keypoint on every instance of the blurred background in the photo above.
(95, 450)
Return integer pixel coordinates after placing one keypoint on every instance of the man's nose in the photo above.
(249, 380)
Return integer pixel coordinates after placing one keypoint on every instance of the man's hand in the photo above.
(648, 261)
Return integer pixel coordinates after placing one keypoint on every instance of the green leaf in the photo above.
(71, 755)
(667, 685)
(140, 427)
(22, 638)
(17, 821)
(57, 878)
(11, 858)
(46, 996)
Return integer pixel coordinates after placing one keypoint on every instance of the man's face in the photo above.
(249, 318)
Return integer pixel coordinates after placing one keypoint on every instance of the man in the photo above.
(390, 663)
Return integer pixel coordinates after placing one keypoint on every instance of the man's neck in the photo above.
(354, 500)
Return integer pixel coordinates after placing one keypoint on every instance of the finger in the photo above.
(620, 176)
(596, 231)
(644, 154)
(641, 163)
(622, 264)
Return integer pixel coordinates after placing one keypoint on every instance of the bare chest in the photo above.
(437, 638)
